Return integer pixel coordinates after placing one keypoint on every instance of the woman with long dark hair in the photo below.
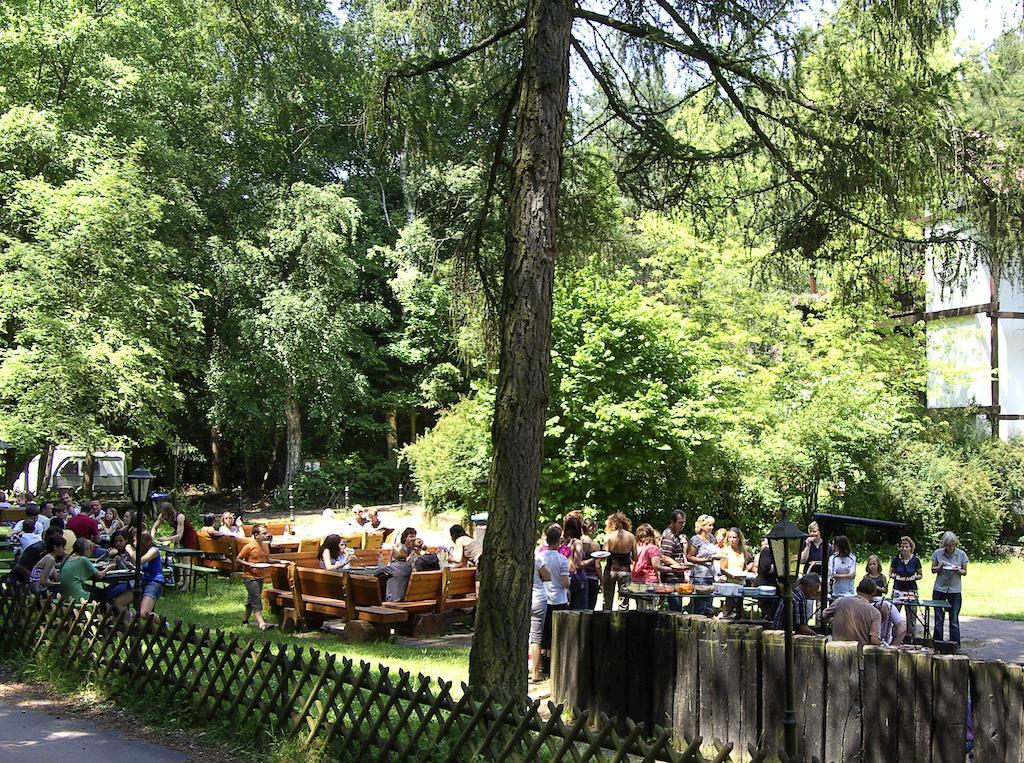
(334, 553)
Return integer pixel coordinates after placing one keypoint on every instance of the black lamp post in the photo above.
(785, 541)
(139, 481)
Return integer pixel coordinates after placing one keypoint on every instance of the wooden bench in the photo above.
(422, 601)
(368, 618)
(459, 589)
(300, 559)
(319, 594)
(219, 551)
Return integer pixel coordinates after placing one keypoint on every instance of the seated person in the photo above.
(22, 570)
(334, 553)
(35, 513)
(423, 560)
(109, 522)
(84, 525)
(893, 628)
(358, 518)
(77, 569)
(466, 550)
(395, 575)
(229, 526)
(807, 588)
(407, 539)
(855, 618)
(45, 574)
(28, 535)
(210, 526)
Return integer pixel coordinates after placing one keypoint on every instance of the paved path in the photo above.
(32, 736)
(985, 638)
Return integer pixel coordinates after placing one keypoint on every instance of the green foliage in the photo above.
(450, 461)
(369, 481)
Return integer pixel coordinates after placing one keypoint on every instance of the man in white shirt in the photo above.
(28, 535)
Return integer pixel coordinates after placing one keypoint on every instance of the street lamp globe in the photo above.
(785, 541)
(139, 481)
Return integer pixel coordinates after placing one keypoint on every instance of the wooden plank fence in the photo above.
(339, 710)
(717, 680)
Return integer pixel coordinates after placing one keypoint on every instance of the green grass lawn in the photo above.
(223, 609)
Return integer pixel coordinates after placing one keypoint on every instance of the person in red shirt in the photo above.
(84, 526)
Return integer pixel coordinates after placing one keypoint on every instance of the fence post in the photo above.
(843, 735)
(663, 647)
(747, 640)
(949, 709)
(878, 697)
(914, 691)
(686, 707)
(565, 656)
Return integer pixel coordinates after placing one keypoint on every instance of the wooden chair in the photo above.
(219, 551)
(459, 589)
(355, 541)
(367, 558)
(374, 540)
(422, 601)
(367, 617)
(247, 530)
(276, 528)
(309, 544)
(319, 594)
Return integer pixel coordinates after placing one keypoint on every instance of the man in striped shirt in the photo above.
(673, 553)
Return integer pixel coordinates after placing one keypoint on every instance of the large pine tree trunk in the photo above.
(294, 419)
(391, 436)
(498, 657)
(43, 471)
(88, 469)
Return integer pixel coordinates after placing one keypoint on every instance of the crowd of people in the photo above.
(868, 605)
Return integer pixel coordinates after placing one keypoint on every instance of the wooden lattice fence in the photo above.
(340, 709)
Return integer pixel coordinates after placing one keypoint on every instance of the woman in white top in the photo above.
(842, 567)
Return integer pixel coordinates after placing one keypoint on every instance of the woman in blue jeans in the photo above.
(701, 552)
(949, 565)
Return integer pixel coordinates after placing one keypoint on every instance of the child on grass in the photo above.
(255, 552)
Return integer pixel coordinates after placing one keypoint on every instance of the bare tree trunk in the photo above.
(498, 656)
(391, 417)
(294, 419)
(88, 467)
(412, 427)
(216, 460)
(43, 473)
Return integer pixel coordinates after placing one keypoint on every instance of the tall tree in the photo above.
(832, 145)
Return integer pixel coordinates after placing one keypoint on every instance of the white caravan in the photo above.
(67, 470)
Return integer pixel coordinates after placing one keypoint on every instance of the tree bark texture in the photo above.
(216, 461)
(498, 656)
(88, 470)
(391, 433)
(43, 470)
(293, 415)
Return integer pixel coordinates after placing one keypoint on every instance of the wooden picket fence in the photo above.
(332, 707)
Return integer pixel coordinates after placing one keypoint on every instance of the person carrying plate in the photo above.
(949, 565)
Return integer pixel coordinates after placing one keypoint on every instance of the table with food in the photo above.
(653, 595)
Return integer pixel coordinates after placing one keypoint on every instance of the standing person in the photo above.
(815, 550)
(649, 564)
(856, 619)
(949, 565)
(465, 550)
(767, 576)
(873, 570)
(255, 552)
(538, 612)
(591, 566)
(147, 557)
(183, 534)
(621, 544)
(905, 569)
(738, 560)
(572, 536)
(673, 555)
(556, 590)
(842, 567)
(701, 552)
